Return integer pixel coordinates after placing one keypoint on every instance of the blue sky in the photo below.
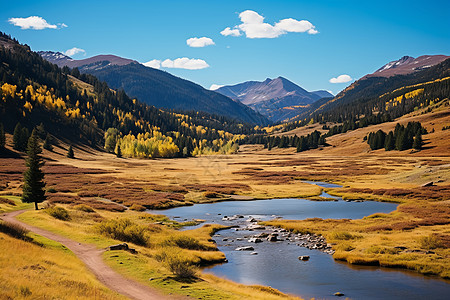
(353, 37)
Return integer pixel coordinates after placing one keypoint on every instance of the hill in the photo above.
(278, 99)
(366, 95)
(79, 108)
(156, 87)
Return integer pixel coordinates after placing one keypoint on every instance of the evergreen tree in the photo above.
(390, 142)
(418, 141)
(2, 137)
(119, 152)
(33, 187)
(48, 143)
(70, 153)
(17, 137)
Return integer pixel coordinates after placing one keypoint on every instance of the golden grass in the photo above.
(28, 271)
(195, 247)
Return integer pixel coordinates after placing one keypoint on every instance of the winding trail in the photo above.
(92, 258)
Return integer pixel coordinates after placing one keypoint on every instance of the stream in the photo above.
(276, 264)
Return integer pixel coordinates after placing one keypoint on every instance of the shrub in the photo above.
(83, 207)
(137, 207)
(374, 249)
(176, 263)
(51, 190)
(210, 194)
(185, 242)
(58, 212)
(342, 235)
(14, 230)
(7, 201)
(124, 230)
(430, 242)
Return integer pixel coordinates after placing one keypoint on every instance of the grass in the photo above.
(170, 257)
(28, 271)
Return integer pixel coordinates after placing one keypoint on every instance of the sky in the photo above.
(319, 45)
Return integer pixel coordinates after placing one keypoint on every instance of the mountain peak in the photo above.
(276, 98)
(408, 64)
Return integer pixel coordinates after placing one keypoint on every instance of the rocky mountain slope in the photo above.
(278, 99)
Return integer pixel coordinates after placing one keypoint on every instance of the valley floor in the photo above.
(416, 236)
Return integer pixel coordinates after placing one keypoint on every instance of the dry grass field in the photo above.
(415, 236)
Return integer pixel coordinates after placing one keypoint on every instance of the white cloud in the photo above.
(254, 27)
(292, 25)
(34, 22)
(153, 64)
(199, 42)
(214, 87)
(341, 79)
(185, 63)
(228, 31)
(74, 51)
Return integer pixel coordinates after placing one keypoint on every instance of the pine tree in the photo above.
(48, 143)
(17, 137)
(418, 141)
(390, 142)
(33, 187)
(70, 153)
(2, 137)
(119, 152)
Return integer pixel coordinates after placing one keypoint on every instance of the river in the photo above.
(276, 264)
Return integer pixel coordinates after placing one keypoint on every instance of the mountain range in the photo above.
(278, 99)
(406, 71)
(156, 87)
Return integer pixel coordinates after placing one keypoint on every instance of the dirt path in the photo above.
(92, 257)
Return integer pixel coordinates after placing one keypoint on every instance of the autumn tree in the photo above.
(33, 187)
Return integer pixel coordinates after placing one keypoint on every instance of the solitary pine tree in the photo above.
(70, 152)
(2, 137)
(33, 187)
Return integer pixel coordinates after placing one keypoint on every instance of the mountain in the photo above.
(364, 95)
(407, 65)
(278, 99)
(156, 87)
(81, 109)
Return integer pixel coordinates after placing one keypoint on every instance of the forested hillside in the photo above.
(80, 108)
(381, 98)
(158, 88)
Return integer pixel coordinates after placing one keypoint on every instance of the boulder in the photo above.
(255, 240)
(338, 294)
(245, 248)
(272, 238)
(123, 246)
(428, 184)
(303, 258)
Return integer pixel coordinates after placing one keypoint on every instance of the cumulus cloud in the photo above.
(178, 63)
(34, 22)
(214, 87)
(74, 51)
(155, 63)
(228, 31)
(254, 27)
(341, 79)
(199, 42)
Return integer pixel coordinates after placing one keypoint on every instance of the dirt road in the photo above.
(92, 257)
